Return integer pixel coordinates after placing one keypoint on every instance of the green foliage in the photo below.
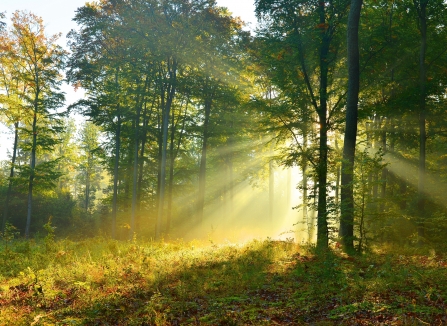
(10, 233)
(49, 238)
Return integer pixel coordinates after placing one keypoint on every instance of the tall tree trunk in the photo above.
(32, 166)
(230, 184)
(337, 179)
(11, 175)
(202, 169)
(139, 104)
(313, 212)
(159, 154)
(173, 154)
(171, 173)
(87, 183)
(322, 224)
(421, 6)
(141, 158)
(144, 136)
(347, 177)
(271, 190)
(115, 172)
(135, 172)
(170, 93)
(305, 215)
(384, 170)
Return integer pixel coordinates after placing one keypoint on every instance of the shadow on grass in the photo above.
(262, 283)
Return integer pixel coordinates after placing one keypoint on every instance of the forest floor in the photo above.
(263, 282)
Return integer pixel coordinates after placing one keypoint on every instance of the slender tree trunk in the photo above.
(384, 171)
(202, 169)
(230, 185)
(337, 179)
(135, 171)
(347, 177)
(11, 175)
(305, 215)
(173, 154)
(31, 177)
(322, 225)
(271, 190)
(33, 160)
(313, 212)
(141, 157)
(128, 177)
(146, 119)
(87, 183)
(116, 171)
(159, 158)
(171, 173)
(139, 105)
(170, 92)
(421, 6)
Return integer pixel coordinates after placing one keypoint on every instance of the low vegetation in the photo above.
(263, 282)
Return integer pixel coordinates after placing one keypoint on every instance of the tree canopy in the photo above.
(326, 121)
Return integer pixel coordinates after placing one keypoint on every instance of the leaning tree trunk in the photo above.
(347, 189)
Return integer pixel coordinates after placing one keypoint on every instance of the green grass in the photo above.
(106, 282)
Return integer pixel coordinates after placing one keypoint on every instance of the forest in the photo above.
(209, 170)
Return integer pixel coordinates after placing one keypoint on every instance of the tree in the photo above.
(89, 162)
(347, 176)
(12, 106)
(304, 35)
(40, 62)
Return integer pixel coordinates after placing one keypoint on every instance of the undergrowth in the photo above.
(264, 282)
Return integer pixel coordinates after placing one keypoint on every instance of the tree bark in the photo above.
(139, 105)
(271, 190)
(171, 173)
(87, 181)
(166, 107)
(33, 158)
(384, 170)
(322, 225)
(421, 6)
(347, 177)
(202, 169)
(116, 171)
(305, 215)
(173, 154)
